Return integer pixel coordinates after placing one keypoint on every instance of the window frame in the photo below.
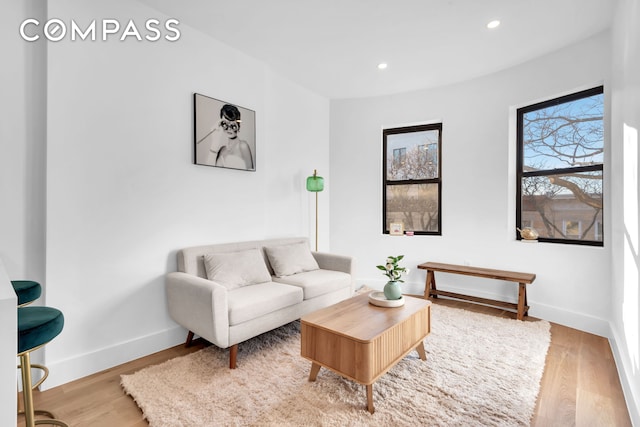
(437, 181)
(521, 174)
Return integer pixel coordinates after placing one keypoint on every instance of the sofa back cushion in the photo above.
(191, 259)
(290, 259)
(236, 269)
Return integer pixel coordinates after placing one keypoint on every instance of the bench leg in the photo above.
(522, 301)
(430, 284)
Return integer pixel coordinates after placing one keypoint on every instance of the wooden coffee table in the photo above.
(361, 341)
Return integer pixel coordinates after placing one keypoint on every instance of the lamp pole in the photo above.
(316, 221)
(315, 184)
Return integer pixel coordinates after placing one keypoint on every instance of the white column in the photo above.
(8, 349)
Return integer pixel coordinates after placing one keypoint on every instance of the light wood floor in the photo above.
(580, 385)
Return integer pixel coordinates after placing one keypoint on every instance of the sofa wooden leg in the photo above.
(187, 343)
(233, 355)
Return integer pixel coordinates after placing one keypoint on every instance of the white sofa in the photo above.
(228, 293)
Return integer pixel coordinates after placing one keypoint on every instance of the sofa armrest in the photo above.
(200, 305)
(327, 261)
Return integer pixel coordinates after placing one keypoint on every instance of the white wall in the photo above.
(22, 142)
(625, 260)
(478, 191)
(122, 194)
(299, 128)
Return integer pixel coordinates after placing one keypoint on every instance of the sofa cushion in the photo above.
(317, 282)
(236, 269)
(251, 302)
(290, 259)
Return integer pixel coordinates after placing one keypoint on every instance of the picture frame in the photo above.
(396, 229)
(224, 134)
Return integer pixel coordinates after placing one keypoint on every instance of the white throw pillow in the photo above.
(236, 269)
(291, 259)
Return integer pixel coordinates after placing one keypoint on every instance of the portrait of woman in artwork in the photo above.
(220, 136)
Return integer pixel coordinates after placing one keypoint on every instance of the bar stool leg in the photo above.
(29, 411)
(27, 393)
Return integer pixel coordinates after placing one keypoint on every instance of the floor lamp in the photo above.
(315, 184)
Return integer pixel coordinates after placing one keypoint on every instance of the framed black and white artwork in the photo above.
(224, 134)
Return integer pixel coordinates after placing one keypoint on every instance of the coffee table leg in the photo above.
(370, 398)
(421, 352)
(315, 368)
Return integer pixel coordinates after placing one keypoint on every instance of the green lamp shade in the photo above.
(315, 183)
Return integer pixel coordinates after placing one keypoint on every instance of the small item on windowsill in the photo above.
(396, 229)
(528, 234)
(408, 233)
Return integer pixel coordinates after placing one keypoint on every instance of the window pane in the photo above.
(414, 205)
(570, 134)
(564, 206)
(412, 155)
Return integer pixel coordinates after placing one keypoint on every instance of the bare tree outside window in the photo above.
(560, 167)
(412, 183)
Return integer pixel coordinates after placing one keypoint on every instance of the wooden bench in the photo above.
(522, 279)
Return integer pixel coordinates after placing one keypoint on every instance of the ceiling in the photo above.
(333, 47)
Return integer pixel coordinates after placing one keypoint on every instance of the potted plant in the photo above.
(393, 271)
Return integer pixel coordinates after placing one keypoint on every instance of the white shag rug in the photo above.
(480, 371)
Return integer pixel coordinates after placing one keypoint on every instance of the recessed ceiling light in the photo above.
(493, 24)
(382, 66)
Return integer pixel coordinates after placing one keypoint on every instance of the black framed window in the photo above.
(560, 163)
(412, 183)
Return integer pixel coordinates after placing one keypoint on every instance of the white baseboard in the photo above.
(583, 322)
(64, 371)
(631, 395)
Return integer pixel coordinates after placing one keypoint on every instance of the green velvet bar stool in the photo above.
(36, 327)
(27, 291)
